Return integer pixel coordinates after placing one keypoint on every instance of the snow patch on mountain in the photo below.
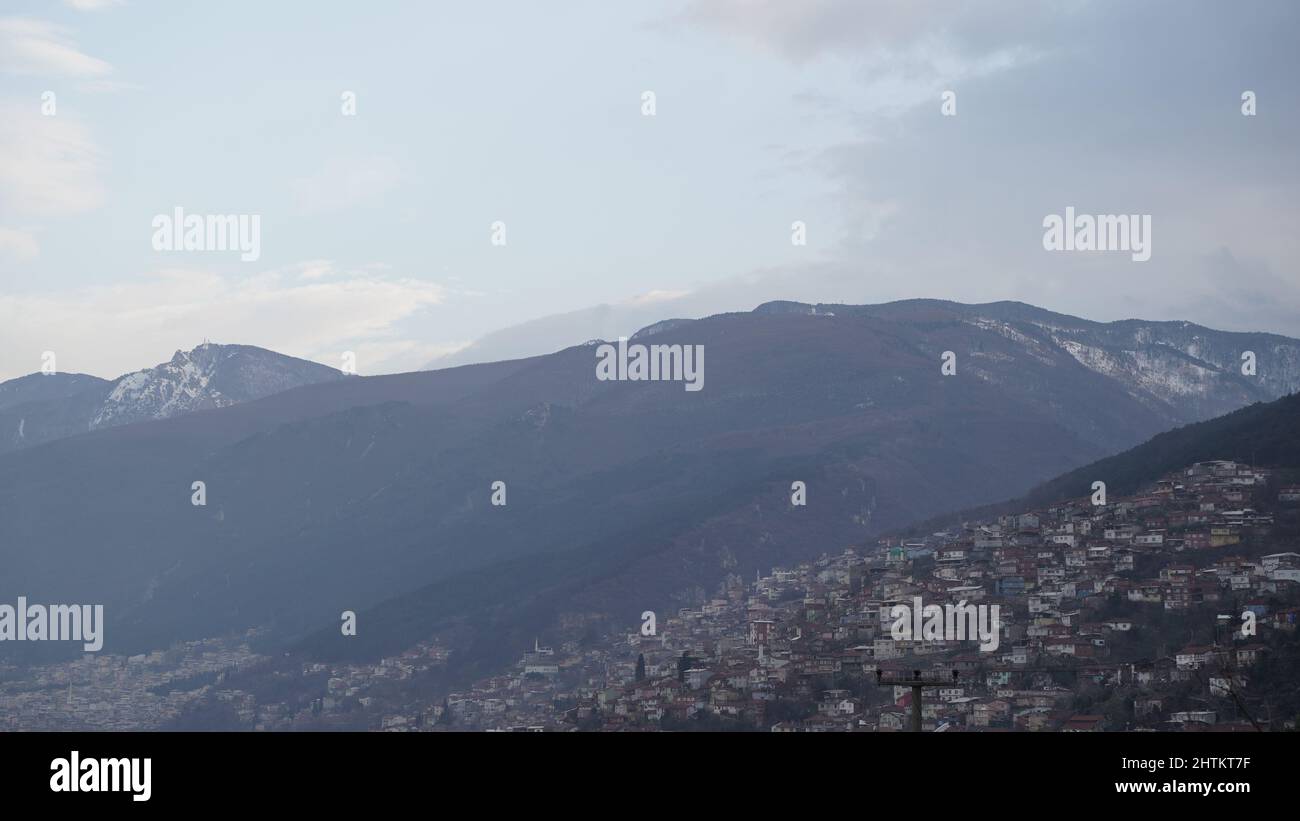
(1094, 359)
(1167, 371)
(209, 376)
(1171, 377)
(1031, 346)
(176, 387)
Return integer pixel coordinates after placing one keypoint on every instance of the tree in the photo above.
(640, 667)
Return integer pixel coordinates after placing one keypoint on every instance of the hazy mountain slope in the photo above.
(39, 387)
(345, 495)
(1265, 434)
(42, 420)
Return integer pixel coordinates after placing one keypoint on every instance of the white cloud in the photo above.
(905, 51)
(815, 28)
(401, 355)
(655, 296)
(92, 5)
(48, 165)
(109, 330)
(308, 269)
(345, 183)
(18, 243)
(39, 48)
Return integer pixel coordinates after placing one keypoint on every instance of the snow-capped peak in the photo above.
(209, 376)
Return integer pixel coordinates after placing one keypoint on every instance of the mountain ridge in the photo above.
(350, 493)
(40, 408)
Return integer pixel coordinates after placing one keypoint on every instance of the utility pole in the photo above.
(918, 683)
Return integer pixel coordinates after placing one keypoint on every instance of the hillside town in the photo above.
(102, 691)
(1094, 599)
(1151, 611)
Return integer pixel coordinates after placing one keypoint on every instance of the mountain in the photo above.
(43, 407)
(1180, 370)
(1177, 365)
(37, 387)
(1266, 434)
(373, 494)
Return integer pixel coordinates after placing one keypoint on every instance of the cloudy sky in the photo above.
(376, 229)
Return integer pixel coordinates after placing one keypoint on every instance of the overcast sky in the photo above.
(376, 228)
